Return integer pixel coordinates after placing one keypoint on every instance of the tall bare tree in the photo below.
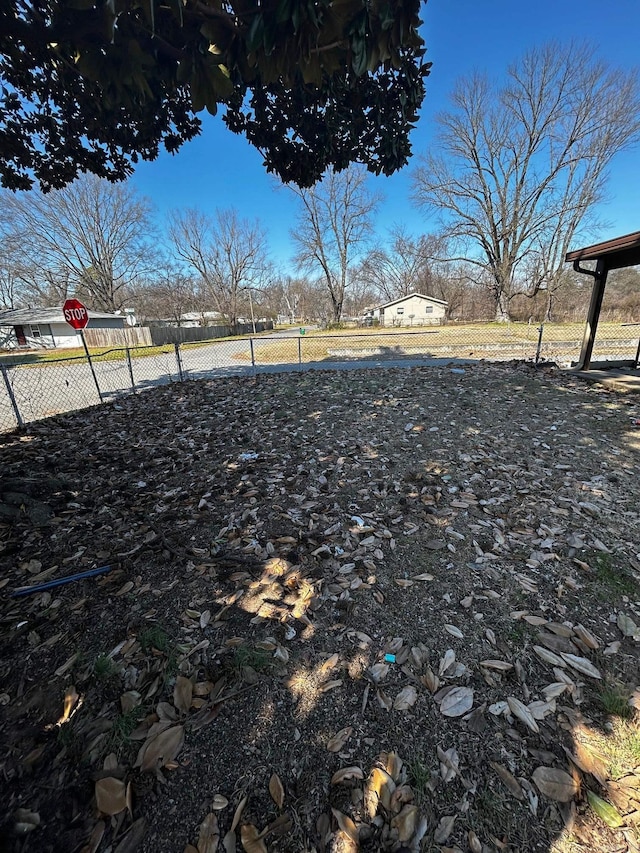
(229, 254)
(522, 165)
(334, 223)
(90, 238)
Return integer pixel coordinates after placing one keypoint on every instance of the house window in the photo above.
(399, 310)
(428, 309)
(39, 330)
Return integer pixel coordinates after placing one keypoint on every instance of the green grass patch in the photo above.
(419, 779)
(614, 699)
(127, 723)
(104, 667)
(515, 633)
(613, 577)
(154, 637)
(258, 659)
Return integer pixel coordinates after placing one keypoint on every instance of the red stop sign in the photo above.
(75, 314)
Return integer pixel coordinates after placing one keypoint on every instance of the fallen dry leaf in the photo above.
(336, 743)
(498, 665)
(520, 710)
(183, 694)
(582, 665)
(209, 836)
(555, 784)
(161, 748)
(405, 822)
(346, 824)
(276, 789)
(509, 780)
(111, 796)
(444, 829)
(346, 775)
(379, 790)
(406, 698)
(251, 839)
(457, 702)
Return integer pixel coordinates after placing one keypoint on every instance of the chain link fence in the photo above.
(32, 388)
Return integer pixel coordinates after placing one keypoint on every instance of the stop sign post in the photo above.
(77, 316)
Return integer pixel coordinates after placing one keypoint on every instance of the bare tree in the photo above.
(9, 286)
(169, 295)
(229, 255)
(333, 225)
(522, 165)
(89, 238)
(11, 282)
(403, 267)
(287, 296)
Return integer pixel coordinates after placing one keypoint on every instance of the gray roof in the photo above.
(19, 316)
(408, 296)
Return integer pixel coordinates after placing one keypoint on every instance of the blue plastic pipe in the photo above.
(41, 587)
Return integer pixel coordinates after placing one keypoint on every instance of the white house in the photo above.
(46, 328)
(412, 310)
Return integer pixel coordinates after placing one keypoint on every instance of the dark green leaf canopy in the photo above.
(94, 85)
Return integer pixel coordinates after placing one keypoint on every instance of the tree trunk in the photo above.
(337, 308)
(502, 308)
(547, 313)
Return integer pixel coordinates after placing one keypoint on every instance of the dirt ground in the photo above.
(376, 610)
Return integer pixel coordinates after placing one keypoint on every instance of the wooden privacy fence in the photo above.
(127, 337)
(160, 335)
(183, 334)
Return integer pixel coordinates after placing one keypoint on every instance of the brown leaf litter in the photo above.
(382, 610)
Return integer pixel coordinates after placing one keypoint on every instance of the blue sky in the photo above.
(221, 170)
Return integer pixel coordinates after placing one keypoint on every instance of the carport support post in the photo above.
(93, 372)
(599, 282)
(12, 397)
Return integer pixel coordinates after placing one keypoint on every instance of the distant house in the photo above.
(46, 328)
(191, 320)
(412, 310)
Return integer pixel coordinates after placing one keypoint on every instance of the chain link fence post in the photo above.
(299, 350)
(91, 367)
(253, 357)
(12, 398)
(539, 347)
(130, 366)
(179, 361)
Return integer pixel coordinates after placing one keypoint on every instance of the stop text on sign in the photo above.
(75, 314)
